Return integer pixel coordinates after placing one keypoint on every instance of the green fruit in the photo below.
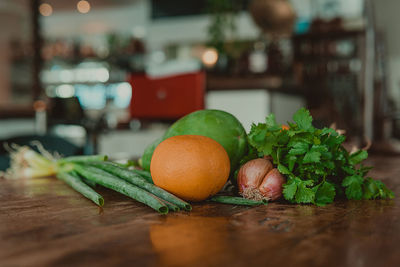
(219, 125)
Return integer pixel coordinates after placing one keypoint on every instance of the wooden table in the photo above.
(45, 223)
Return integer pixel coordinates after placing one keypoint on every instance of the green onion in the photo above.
(171, 206)
(139, 181)
(83, 159)
(89, 182)
(73, 180)
(110, 181)
(145, 174)
(238, 201)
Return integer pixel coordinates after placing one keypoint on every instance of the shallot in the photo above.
(257, 180)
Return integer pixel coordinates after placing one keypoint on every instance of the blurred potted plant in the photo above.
(222, 30)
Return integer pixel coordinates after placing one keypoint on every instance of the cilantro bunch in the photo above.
(314, 161)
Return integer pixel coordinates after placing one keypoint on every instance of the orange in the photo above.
(192, 167)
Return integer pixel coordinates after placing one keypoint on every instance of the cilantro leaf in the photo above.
(303, 119)
(298, 149)
(376, 189)
(358, 157)
(325, 194)
(289, 189)
(283, 169)
(384, 192)
(303, 193)
(291, 162)
(371, 190)
(271, 122)
(319, 148)
(312, 157)
(353, 186)
(349, 170)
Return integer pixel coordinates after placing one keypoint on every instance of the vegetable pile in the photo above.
(302, 163)
(83, 173)
(316, 165)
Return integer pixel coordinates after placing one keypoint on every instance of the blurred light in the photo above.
(74, 133)
(157, 57)
(83, 6)
(209, 57)
(50, 91)
(66, 76)
(101, 74)
(45, 9)
(65, 91)
(123, 95)
(91, 97)
(80, 75)
(139, 32)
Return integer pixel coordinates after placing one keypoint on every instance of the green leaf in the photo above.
(303, 193)
(266, 149)
(317, 141)
(353, 186)
(298, 149)
(328, 131)
(370, 189)
(327, 156)
(384, 192)
(358, 157)
(352, 179)
(354, 191)
(303, 119)
(325, 193)
(333, 137)
(349, 169)
(289, 189)
(319, 148)
(282, 169)
(312, 157)
(258, 133)
(364, 170)
(270, 122)
(292, 161)
(283, 138)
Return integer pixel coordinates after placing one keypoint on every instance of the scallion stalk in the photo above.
(238, 201)
(112, 182)
(139, 181)
(73, 180)
(83, 159)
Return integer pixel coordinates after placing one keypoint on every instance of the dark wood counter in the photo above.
(45, 223)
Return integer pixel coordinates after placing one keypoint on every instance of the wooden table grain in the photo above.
(45, 223)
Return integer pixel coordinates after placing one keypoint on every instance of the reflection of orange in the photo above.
(184, 241)
(192, 167)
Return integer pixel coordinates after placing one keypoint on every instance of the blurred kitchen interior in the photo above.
(110, 76)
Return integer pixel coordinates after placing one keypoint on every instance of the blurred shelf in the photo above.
(13, 111)
(330, 34)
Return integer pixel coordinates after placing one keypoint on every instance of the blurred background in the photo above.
(109, 77)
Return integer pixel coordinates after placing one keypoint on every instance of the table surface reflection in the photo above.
(45, 223)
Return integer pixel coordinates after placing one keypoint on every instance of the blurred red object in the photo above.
(168, 97)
